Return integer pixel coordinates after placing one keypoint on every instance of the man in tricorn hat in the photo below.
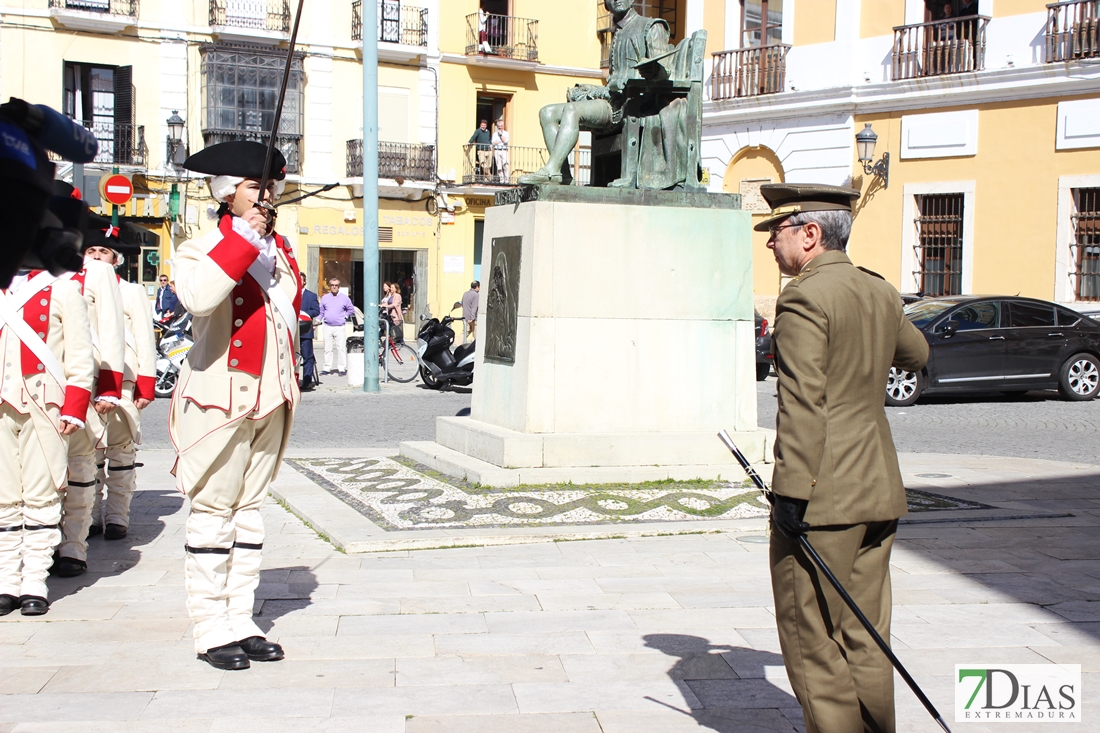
(231, 412)
(117, 461)
(838, 330)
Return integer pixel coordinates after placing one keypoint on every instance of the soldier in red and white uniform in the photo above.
(45, 388)
(99, 286)
(232, 409)
(117, 462)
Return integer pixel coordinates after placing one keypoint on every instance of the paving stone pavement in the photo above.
(606, 636)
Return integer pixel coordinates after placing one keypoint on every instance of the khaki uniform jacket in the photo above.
(243, 362)
(837, 332)
(140, 372)
(30, 389)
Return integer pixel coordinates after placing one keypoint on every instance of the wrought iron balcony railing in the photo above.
(289, 145)
(119, 144)
(410, 161)
(748, 72)
(110, 7)
(1073, 30)
(397, 23)
(488, 167)
(262, 15)
(504, 36)
(941, 47)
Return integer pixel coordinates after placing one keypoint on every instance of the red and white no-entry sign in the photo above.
(116, 189)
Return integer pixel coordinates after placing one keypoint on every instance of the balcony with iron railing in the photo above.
(271, 16)
(749, 72)
(486, 167)
(1072, 31)
(409, 161)
(289, 145)
(502, 37)
(110, 7)
(119, 144)
(399, 23)
(952, 46)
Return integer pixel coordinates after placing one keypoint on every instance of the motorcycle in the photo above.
(172, 350)
(439, 366)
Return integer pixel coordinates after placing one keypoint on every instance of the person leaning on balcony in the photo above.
(838, 330)
(483, 32)
(484, 147)
(500, 150)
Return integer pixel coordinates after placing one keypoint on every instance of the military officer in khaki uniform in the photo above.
(99, 286)
(838, 330)
(46, 369)
(117, 462)
(232, 409)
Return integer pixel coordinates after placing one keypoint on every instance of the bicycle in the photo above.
(403, 363)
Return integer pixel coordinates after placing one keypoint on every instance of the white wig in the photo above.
(223, 186)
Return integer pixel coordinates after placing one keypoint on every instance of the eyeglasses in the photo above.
(773, 232)
(334, 285)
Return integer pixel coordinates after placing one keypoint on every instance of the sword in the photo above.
(848, 600)
(269, 208)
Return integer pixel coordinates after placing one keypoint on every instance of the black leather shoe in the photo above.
(69, 567)
(94, 530)
(33, 605)
(260, 649)
(114, 532)
(8, 603)
(229, 656)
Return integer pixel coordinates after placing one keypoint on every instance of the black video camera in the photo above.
(41, 231)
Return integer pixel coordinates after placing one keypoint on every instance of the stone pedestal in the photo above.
(615, 348)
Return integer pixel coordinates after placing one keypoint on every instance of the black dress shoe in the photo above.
(114, 532)
(229, 656)
(69, 567)
(260, 649)
(33, 605)
(8, 603)
(94, 530)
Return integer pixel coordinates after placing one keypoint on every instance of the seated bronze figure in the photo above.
(648, 115)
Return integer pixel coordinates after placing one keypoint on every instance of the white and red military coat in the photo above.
(140, 372)
(58, 316)
(242, 365)
(99, 285)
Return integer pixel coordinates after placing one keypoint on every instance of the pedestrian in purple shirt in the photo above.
(336, 309)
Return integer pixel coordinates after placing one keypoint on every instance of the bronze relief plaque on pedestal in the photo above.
(502, 301)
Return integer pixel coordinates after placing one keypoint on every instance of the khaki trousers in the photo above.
(225, 531)
(336, 338)
(842, 679)
(30, 510)
(117, 473)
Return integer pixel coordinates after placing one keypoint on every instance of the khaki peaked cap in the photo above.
(787, 199)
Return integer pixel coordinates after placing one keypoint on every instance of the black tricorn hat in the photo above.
(238, 158)
(101, 233)
(794, 198)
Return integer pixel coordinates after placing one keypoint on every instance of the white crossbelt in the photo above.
(95, 336)
(278, 298)
(9, 316)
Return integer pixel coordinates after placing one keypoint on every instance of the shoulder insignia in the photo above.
(872, 273)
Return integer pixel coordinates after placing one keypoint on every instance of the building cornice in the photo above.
(984, 87)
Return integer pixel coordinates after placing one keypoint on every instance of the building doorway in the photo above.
(479, 237)
(406, 267)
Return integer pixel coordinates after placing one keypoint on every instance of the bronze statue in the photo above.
(649, 113)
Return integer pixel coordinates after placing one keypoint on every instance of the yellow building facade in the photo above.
(987, 111)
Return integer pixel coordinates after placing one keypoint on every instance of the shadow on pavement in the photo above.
(112, 558)
(283, 590)
(729, 683)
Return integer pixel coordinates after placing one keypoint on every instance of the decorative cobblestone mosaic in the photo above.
(399, 496)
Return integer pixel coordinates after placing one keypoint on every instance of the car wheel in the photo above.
(762, 371)
(903, 388)
(1079, 379)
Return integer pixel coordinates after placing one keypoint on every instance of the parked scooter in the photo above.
(439, 366)
(174, 344)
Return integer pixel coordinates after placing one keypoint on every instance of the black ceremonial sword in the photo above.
(863, 620)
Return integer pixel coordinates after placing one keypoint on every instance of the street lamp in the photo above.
(176, 126)
(865, 148)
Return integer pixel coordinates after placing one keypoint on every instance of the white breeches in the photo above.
(117, 475)
(336, 338)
